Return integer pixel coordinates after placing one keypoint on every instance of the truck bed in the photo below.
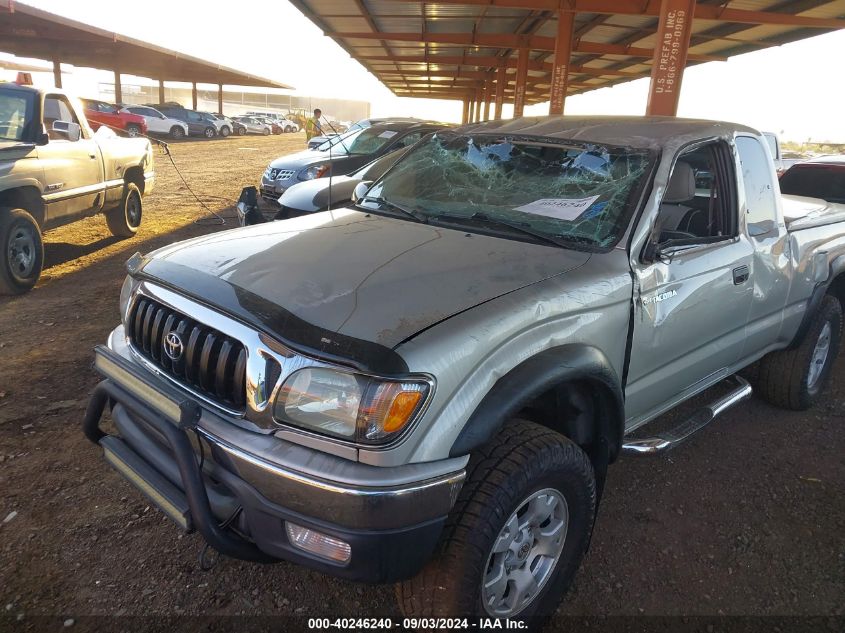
(800, 212)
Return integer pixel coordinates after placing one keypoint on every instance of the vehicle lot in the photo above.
(748, 518)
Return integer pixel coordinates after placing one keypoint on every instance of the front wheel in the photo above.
(209, 132)
(224, 131)
(517, 533)
(123, 221)
(795, 378)
(22, 256)
(288, 129)
(133, 130)
(241, 131)
(177, 132)
(266, 132)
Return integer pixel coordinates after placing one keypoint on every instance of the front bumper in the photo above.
(167, 447)
(272, 190)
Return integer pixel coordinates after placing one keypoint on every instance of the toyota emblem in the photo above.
(173, 346)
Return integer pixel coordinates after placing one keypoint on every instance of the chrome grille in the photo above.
(280, 174)
(210, 362)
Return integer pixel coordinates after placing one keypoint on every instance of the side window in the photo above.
(760, 203)
(57, 108)
(699, 204)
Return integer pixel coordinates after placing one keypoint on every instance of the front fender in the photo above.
(540, 374)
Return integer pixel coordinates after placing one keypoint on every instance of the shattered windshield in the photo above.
(563, 192)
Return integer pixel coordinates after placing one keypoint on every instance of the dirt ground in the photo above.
(748, 518)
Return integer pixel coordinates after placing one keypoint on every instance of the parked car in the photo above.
(288, 126)
(822, 177)
(198, 123)
(238, 128)
(275, 127)
(102, 113)
(253, 125)
(428, 388)
(343, 154)
(55, 170)
(333, 130)
(313, 196)
(222, 123)
(158, 123)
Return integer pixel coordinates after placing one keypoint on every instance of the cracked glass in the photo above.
(563, 192)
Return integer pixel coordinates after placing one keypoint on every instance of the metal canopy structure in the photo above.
(529, 51)
(29, 32)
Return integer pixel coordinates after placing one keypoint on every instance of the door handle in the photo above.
(741, 274)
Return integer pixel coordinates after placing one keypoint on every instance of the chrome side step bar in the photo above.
(670, 439)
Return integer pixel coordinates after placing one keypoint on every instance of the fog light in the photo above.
(318, 543)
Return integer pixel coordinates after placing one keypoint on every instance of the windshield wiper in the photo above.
(512, 225)
(387, 204)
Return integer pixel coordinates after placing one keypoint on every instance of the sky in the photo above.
(795, 90)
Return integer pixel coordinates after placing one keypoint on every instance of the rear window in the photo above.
(816, 181)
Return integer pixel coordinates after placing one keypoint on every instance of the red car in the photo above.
(822, 177)
(101, 113)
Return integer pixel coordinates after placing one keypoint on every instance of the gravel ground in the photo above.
(747, 519)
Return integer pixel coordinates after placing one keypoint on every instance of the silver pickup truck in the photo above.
(55, 170)
(428, 387)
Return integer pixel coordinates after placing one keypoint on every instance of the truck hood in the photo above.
(352, 276)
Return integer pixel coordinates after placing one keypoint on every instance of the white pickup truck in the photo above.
(55, 170)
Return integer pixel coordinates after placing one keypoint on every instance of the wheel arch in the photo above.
(27, 197)
(542, 388)
(834, 285)
(135, 174)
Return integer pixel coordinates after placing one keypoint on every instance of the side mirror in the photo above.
(361, 190)
(71, 130)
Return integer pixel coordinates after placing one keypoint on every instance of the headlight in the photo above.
(315, 171)
(350, 406)
(125, 295)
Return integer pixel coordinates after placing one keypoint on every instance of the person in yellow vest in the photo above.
(312, 126)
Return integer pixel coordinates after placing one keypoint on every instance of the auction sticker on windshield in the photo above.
(558, 208)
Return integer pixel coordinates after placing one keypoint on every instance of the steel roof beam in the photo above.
(652, 8)
(507, 40)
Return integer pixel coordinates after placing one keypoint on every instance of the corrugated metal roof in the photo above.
(452, 36)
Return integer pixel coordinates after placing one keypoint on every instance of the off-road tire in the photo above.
(123, 220)
(133, 130)
(782, 376)
(523, 458)
(19, 227)
(177, 132)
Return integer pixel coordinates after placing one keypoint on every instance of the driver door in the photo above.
(73, 171)
(693, 290)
